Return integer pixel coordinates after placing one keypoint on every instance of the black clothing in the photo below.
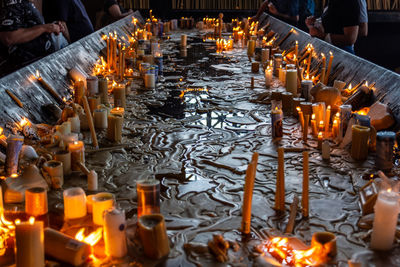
(18, 14)
(73, 13)
(340, 14)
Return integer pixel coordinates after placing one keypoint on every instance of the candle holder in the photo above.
(54, 169)
(36, 201)
(153, 234)
(148, 196)
(101, 202)
(368, 195)
(74, 203)
(327, 241)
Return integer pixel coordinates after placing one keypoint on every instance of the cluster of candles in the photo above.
(224, 45)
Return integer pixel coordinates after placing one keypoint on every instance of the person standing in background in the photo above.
(113, 12)
(339, 24)
(72, 14)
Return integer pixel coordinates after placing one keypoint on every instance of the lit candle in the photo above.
(29, 241)
(280, 182)
(115, 233)
(301, 118)
(305, 197)
(3, 138)
(313, 125)
(49, 88)
(327, 120)
(309, 60)
(65, 248)
(328, 72)
(268, 77)
(119, 96)
(385, 220)
(101, 202)
(291, 81)
(148, 196)
(100, 118)
(359, 142)
(77, 150)
(118, 111)
(296, 49)
(74, 203)
(335, 128)
(114, 130)
(321, 127)
(320, 139)
(276, 122)
(282, 75)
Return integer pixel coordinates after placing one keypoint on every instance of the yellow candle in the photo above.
(118, 111)
(314, 125)
(320, 139)
(328, 72)
(327, 120)
(77, 150)
(101, 202)
(301, 118)
(74, 203)
(29, 244)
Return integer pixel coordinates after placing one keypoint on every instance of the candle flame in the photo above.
(37, 74)
(14, 175)
(76, 142)
(92, 238)
(31, 220)
(313, 116)
(298, 109)
(329, 107)
(1, 131)
(320, 135)
(17, 221)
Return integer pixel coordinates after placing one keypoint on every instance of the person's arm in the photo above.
(363, 30)
(24, 35)
(274, 11)
(261, 10)
(349, 36)
(115, 12)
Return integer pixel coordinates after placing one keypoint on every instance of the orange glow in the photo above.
(14, 175)
(280, 249)
(1, 130)
(313, 116)
(363, 111)
(37, 74)
(31, 220)
(92, 238)
(24, 122)
(6, 231)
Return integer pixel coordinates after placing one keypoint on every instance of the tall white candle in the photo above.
(385, 221)
(74, 203)
(291, 81)
(115, 233)
(101, 202)
(29, 244)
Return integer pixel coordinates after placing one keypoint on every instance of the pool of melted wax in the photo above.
(199, 142)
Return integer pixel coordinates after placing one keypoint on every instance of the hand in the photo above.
(130, 11)
(63, 28)
(272, 9)
(310, 21)
(52, 28)
(315, 32)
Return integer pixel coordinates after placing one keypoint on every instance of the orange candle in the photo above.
(321, 127)
(327, 119)
(320, 139)
(118, 111)
(335, 128)
(314, 125)
(301, 118)
(77, 150)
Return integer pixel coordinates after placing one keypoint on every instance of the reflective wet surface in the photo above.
(196, 133)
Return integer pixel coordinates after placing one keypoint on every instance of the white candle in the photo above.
(75, 124)
(92, 179)
(268, 77)
(101, 202)
(100, 118)
(115, 233)
(77, 75)
(29, 244)
(74, 203)
(291, 81)
(149, 81)
(385, 221)
(92, 85)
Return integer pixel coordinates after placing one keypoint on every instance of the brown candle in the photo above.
(287, 102)
(153, 234)
(114, 130)
(304, 198)
(77, 150)
(280, 182)
(64, 156)
(119, 96)
(79, 91)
